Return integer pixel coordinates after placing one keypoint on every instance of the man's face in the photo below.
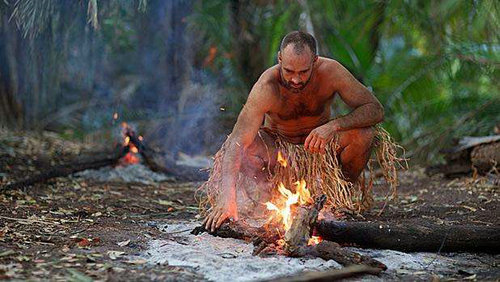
(296, 69)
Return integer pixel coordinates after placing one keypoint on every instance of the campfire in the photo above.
(286, 209)
(132, 157)
(289, 229)
(286, 204)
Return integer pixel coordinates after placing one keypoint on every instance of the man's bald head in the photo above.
(300, 41)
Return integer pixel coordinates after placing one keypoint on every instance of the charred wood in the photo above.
(328, 250)
(302, 225)
(158, 161)
(412, 238)
(241, 230)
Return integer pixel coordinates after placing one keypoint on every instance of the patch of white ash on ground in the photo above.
(133, 173)
(223, 259)
(226, 259)
(400, 264)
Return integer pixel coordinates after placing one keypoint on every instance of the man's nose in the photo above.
(296, 80)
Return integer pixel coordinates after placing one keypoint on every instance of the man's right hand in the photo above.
(224, 209)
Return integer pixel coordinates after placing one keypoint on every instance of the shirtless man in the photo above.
(292, 100)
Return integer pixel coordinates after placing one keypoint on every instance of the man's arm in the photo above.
(249, 121)
(367, 110)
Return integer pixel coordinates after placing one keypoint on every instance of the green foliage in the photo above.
(433, 64)
(246, 41)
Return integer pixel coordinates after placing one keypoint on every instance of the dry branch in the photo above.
(329, 275)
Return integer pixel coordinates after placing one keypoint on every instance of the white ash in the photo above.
(134, 173)
(226, 259)
(223, 259)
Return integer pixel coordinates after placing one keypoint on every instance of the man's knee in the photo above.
(361, 138)
(365, 137)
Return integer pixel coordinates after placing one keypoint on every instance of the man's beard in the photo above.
(295, 88)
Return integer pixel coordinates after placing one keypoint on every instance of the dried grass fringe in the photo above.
(322, 173)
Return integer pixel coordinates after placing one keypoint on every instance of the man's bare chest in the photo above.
(303, 105)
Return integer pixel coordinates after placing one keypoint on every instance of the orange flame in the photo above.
(131, 157)
(126, 141)
(301, 196)
(314, 240)
(282, 160)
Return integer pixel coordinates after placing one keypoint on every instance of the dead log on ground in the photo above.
(158, 161)
(92, 161)
(412, 238)
(480, 153)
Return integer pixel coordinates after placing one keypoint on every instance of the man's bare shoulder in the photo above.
(330, 66)
(264, 95)
(267, 87)
(270, 77)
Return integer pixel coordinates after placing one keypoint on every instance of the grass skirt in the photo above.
(322, 173)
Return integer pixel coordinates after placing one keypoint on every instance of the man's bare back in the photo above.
(293, 99)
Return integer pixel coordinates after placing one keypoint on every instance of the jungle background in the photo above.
(180, 71)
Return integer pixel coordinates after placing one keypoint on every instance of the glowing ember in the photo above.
(133, 149)
(281, 159)
(301, 196)
(131, 157)
(314, 240)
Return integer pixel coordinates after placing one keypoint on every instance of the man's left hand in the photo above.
(319, 137)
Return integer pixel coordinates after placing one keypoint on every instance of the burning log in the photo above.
(296, 238)
(301, 230)
(91, 161)
(159, 162)
(412, 238)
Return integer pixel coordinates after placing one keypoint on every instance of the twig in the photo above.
(28, 221)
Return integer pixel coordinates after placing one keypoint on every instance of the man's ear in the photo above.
(315, 58)
(279, 57)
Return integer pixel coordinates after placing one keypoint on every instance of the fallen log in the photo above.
(470, 153)
(241, 230)
(412, 238)
(159, 161)
(93, 160)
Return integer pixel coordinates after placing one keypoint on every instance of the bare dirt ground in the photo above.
(76, 229)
